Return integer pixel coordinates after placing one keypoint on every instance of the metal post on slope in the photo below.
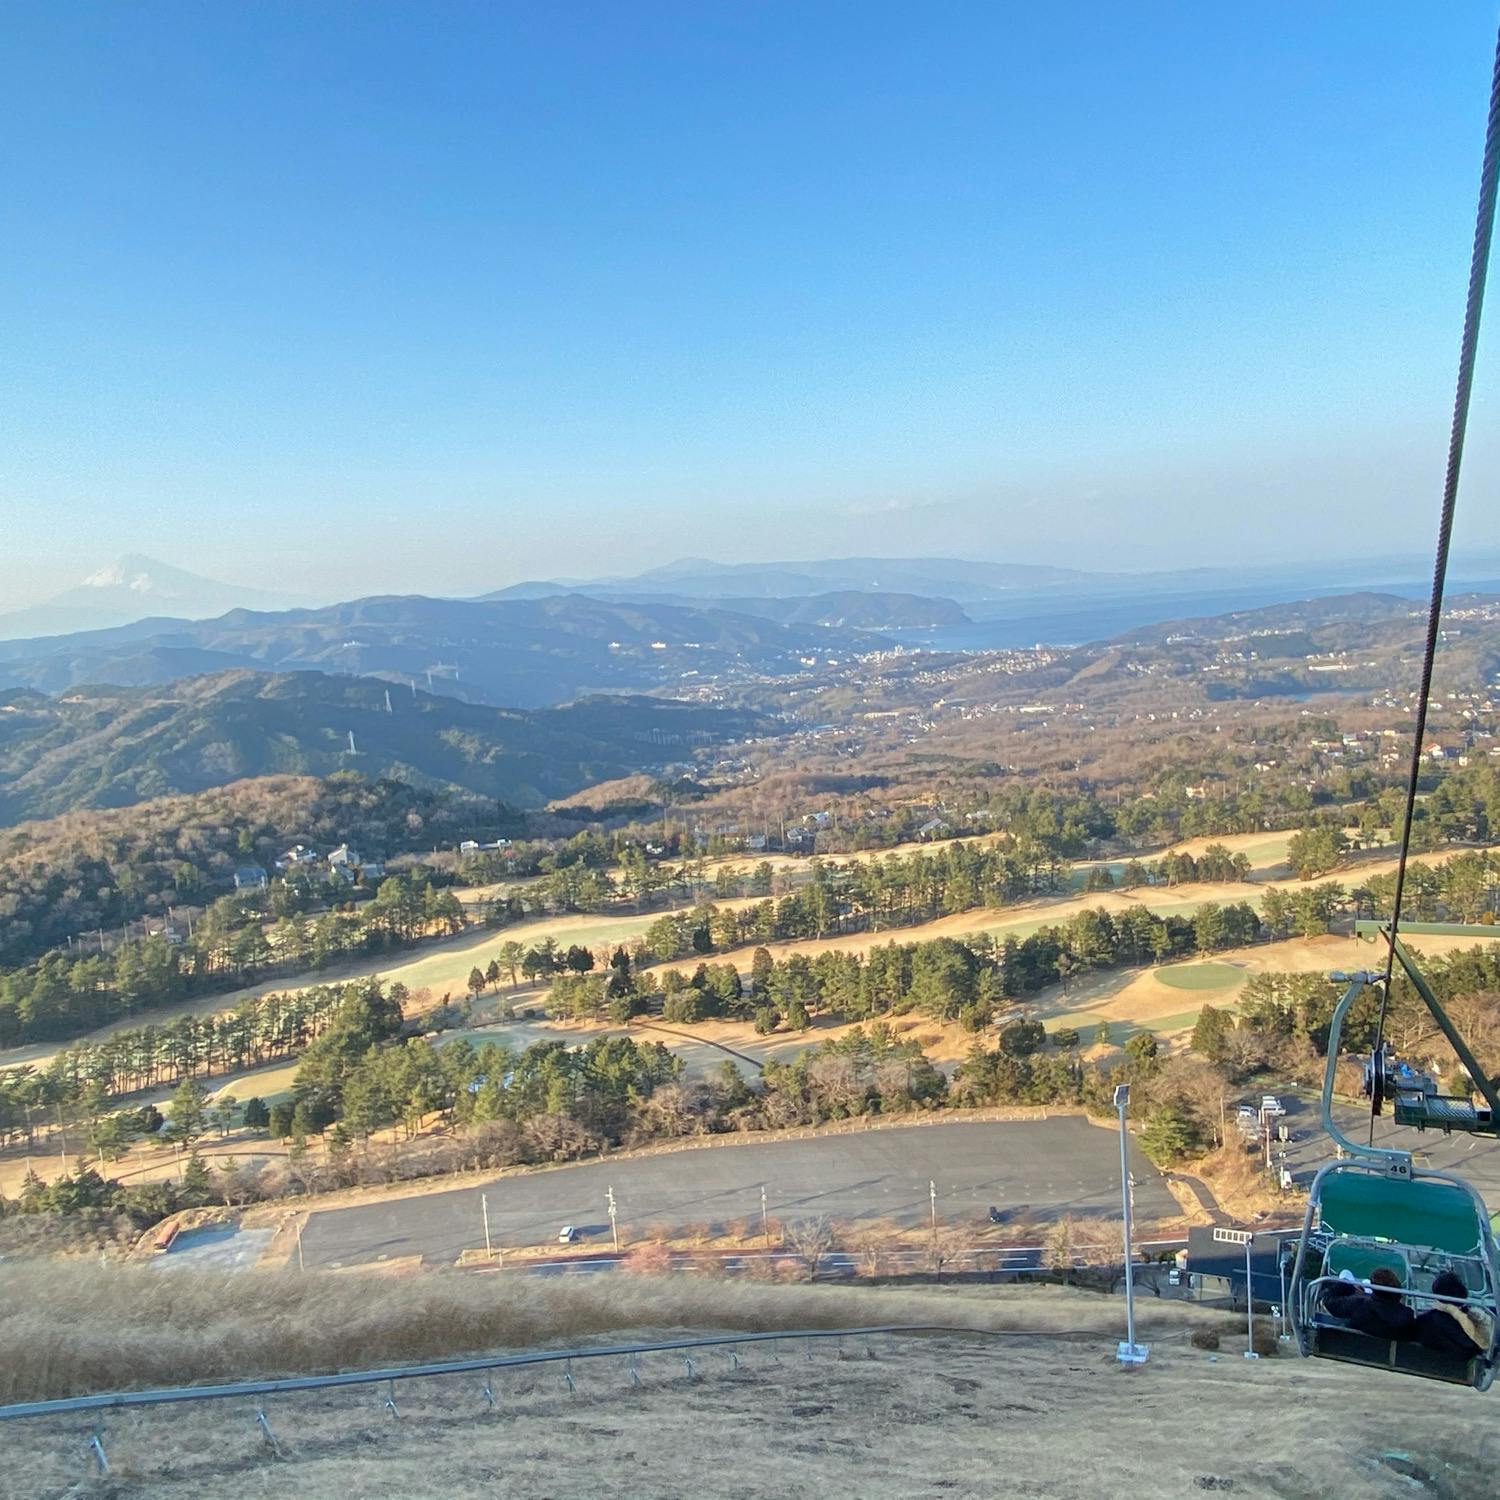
(484, 1209)
(932, 1200)
(265, 1432)
(1129, 1352)
(1249, 1304)
(1281, 1259)
(1245, 1237)
(614, 1228)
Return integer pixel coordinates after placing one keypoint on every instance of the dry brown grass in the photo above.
(1237, 1179)
(68, 1329)
(897, 1419)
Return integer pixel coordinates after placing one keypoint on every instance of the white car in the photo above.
(566, 1235)
(1271, 1105)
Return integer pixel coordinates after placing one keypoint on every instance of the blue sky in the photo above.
(433, 297)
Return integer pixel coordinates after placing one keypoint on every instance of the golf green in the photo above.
(1210, 976)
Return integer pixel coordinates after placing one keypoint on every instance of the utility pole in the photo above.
(484, 1209)
(1129, 1352)
(301, 1264)
(932, 1202)
(765, 1223)
(614, 1228)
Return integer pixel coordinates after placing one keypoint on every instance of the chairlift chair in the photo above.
(1373, 1208)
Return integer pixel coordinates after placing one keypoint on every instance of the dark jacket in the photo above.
(1440, 1330)
(1382, 1315)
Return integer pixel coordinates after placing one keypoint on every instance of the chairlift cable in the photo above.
(1478, 266)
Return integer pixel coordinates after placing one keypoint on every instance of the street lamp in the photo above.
(1129, 1352)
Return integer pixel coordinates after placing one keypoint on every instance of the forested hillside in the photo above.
(107, 747)
(91, 870)
(530, 652)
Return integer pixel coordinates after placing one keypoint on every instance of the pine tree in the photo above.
(187, 1120)
(197, 1183)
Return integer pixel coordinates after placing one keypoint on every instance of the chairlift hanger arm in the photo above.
(1398, 1163)
(1455, 1039)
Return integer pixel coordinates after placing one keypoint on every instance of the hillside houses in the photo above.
(344, 864)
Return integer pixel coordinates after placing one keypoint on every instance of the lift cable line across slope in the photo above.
(1484, 224)
(1397, 1268)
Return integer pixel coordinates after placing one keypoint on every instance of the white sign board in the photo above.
(1234, 1236)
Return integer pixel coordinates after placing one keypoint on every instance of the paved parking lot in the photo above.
(1036, 1167)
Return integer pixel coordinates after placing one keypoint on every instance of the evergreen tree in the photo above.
(188, 1113)
(197, 1183)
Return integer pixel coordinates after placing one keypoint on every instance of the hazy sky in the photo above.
(436, 296)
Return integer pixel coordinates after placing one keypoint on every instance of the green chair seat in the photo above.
(1360, 1260)
(1435, 1215)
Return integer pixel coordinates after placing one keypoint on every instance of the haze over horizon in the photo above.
(345, 302)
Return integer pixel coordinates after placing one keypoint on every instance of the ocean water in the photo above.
(1072, 619)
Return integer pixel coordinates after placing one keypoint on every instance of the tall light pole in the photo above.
(614, 1229)
(484, 1209)
(932, 1201)
(765, 1223)
(1129, 1352)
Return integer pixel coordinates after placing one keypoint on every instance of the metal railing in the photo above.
(113, 1400)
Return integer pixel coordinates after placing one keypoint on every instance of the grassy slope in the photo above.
(923, 1417)
(71, 1327)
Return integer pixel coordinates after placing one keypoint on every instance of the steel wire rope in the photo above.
(1484, 225)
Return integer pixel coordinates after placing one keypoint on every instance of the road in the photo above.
(1028, 1169)
(1474, 1157)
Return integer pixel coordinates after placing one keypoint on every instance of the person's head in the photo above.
(1384, 1282)
(1447, 1284)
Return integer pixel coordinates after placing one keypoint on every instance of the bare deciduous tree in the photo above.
(944, 1247)
(811, 1239)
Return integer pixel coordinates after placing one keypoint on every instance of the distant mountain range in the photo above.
(108, 747)
(1353, 610)
(132, 588)
(681, 626)
(523, 652)
(841, 609)
(953, 579)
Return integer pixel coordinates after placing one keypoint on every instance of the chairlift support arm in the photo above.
(1445, 1025)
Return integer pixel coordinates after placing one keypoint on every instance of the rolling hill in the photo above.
(930, 577)
(526, 652)
(841, 609)
(110, 746)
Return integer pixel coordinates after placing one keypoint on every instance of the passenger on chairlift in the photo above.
(1379, 1312)
(1449, 1328)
